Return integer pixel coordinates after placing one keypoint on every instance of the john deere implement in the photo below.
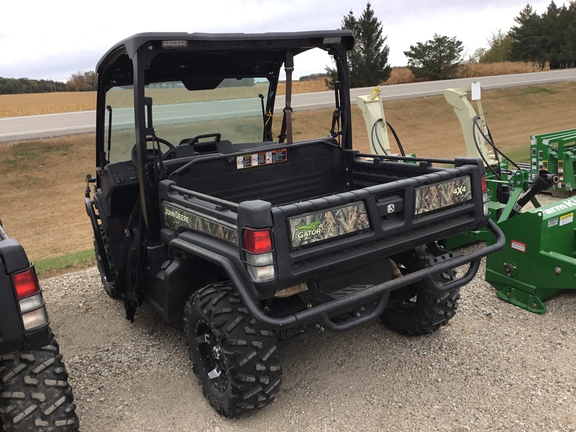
(539, 258)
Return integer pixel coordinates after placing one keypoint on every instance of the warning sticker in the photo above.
(552, 222)
(261, 158)
(515, 244)
(566, 219)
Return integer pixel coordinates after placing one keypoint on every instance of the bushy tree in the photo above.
(82, 81)
(436, 59)
(499, 48)
(368, 60)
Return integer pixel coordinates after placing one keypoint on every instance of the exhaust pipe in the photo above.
(542, 181)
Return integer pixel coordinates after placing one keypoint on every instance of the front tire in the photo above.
(35, 393)
(418, 310)
(235, 357)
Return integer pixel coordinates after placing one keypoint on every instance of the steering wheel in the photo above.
(172, 152)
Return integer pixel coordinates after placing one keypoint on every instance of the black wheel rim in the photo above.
(404, 300)
(211, 356)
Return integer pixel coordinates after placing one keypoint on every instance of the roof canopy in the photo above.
(202, 60)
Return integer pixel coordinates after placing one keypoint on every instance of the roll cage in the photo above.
(202, 61)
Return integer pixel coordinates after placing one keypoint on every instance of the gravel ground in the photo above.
(493, 367)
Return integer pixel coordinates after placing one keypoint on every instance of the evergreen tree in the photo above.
(527, 37)
(368, 60)
(437, 59)
(569, 49)
(553, 40)
(549, 38)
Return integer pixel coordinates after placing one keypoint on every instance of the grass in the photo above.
(42, 183)
(69, 262)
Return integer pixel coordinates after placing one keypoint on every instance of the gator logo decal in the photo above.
(311, 229)
(325, 225)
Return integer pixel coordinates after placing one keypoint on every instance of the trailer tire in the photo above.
(234, 356)
(422, 311)
(35, 393)
(109, 286)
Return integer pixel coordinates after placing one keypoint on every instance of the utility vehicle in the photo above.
(218, 205)
(34, 389)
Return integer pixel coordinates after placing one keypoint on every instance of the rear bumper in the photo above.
(380, 292)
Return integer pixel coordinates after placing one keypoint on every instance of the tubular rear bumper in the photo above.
(378, 292)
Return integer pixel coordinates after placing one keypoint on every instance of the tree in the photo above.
(368, 60)
(499, 48)
(82, 81)
(569, 50)
(545, 39)
(437, 59)
(554, 22)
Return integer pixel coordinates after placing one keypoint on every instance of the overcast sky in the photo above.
(53, 39)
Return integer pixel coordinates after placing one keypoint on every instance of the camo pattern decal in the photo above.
(328, 224)
(441, 195)
(179, 219)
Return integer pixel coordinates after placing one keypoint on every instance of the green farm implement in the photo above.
(539, 258)
(555, 152)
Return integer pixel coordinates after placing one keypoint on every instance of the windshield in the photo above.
(233, 109)
(236, 109)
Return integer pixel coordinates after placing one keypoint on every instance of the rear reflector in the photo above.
(257, 241)
(484, 185)
(26, 283)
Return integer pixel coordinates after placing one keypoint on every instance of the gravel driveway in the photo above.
(493, 367)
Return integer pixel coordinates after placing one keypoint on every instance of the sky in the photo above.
(53, 39)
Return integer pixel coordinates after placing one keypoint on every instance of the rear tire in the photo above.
(35, 393)
(420, 310)
(235, 357)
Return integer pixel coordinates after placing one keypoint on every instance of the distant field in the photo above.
(42, 183)
(49, 103)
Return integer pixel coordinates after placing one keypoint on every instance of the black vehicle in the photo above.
(34, 389)
(206, 207)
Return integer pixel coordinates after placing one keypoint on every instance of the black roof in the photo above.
(211, 56)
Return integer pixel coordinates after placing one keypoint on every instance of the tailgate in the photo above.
(378, 220)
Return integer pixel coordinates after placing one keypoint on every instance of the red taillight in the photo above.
(26, 283)
(257, 241)
(484, 186)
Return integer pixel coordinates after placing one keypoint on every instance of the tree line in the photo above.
(25, 85)
(546, 39)
(81, 81)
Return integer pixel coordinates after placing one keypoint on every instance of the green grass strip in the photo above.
(85, 257)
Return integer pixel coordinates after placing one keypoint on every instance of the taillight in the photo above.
(259, 256)
(30, 299)
(484, 185)
(257, 241)
(26, 283)
(485, 197)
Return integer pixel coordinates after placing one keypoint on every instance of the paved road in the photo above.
(42, 126)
